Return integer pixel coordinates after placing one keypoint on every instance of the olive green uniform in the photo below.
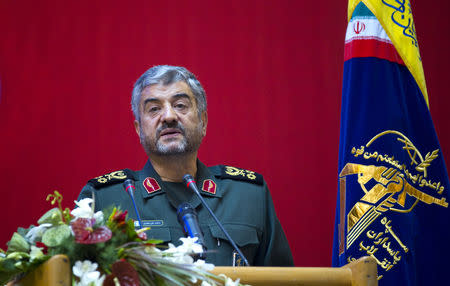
(239, 198)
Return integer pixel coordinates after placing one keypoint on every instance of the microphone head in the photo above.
(127, 184)
(188, 179)
(184, 209)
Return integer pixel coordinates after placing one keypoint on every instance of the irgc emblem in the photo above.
(385, 189)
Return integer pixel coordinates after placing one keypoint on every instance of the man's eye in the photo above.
(180, 106)
(153, 109)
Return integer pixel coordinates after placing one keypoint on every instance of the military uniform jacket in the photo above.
(239, 198)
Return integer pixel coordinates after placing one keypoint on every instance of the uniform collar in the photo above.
(151, 183)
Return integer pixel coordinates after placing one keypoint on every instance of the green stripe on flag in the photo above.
(361, 11)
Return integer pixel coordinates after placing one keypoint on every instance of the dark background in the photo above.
(272, 71)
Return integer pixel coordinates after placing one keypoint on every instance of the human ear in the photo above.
(137, 128)
(205, 122)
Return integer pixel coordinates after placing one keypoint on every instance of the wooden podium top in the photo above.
(362, 272)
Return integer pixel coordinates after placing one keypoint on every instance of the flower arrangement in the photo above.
(104, 249)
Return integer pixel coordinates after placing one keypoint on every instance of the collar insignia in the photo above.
(209, 186)
(151, 185)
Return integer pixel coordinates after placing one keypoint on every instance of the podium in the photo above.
(362, 272)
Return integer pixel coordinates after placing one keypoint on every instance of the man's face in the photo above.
(169, 122)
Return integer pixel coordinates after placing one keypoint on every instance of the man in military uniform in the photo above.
(169, 105)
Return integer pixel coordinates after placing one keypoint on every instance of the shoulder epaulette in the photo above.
(112, 178)
(228, 172)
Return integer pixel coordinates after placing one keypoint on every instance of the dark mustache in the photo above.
(174, 125)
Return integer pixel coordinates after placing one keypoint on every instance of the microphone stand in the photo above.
(190, 183)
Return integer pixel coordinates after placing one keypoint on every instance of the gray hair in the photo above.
(166, 75)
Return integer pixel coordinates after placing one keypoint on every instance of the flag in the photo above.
(392, 201)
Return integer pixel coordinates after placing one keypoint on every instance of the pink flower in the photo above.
(124, 272)
(43, 246)
(120, 217)
(142, 236)
(85, 233)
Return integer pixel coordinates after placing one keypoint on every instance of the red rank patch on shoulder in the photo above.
(209, 186)
(151, 185)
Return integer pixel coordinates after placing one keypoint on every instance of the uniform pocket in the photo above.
(241, 234)
(246, 238)
(160, 233)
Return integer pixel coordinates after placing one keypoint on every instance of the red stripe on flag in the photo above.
(371, 48)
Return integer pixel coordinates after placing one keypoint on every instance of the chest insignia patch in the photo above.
(151, 185)
(209, 186)
(149, 223)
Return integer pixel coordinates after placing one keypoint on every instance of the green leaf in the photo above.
(66, 215)
(18, 255)
(7, 265)
(56, 235)
(18, 244)
(53, 216)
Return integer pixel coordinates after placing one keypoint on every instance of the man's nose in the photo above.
(169, 114)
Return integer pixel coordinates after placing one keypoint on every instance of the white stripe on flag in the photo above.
(363, 28)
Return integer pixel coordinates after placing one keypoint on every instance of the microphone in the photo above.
(190, 184)
(128, 185)
(187, 217)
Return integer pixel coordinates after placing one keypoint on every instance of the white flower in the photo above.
(35, 253)
(87, 273)
(204, 283)
(229, 281)
(81, 268)
(37, 232)
(182, 259)
(193, 279)
(190, 245)
(85, 210)
(98, 216)
(203, 265)
(172, 249)
(153, 251)
(182, 253)
(91, 279)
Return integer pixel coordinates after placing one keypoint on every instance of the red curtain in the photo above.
(272, 71)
